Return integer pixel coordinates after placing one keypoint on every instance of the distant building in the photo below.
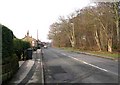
(29, 38)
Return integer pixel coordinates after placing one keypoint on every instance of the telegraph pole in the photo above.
(37, 34)
(37, 38)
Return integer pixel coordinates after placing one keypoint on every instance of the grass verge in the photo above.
(113, 55)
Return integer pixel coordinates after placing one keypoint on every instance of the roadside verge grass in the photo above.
(113, 55)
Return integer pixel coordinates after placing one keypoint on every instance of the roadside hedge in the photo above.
(12, 50)
(9, 60)
(20, 47)
(7, 42)
(0, 54)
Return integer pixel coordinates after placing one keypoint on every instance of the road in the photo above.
(60, 66)
(68, 67)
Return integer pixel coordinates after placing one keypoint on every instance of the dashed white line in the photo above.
(98, 67)
(63, 53)
(89, 64)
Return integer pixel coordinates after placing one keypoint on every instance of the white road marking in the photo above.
(89, 64)
(63, 54)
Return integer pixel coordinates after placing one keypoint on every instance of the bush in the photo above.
(11, 47)
(9, 60)
(20, 47)
(7, 42)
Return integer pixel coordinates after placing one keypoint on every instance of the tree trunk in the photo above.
(73, 44)
(109, 44)
(118, 33)
(72, 40)
(97, 40)
(116, 8)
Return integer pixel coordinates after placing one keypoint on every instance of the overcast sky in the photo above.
(23, 15)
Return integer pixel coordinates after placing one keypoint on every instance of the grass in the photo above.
(113, 55)
(101, 53)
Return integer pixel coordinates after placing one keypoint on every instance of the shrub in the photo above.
(20, 47)
(7, 42)
(9, 60)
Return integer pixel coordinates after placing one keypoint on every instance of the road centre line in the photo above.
(87, 63)
(63, 54)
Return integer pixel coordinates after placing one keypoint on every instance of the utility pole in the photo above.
(37, 38)
(37, 34)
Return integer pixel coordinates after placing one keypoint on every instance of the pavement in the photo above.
(20, 63)
(24, 68)
(29, 71)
